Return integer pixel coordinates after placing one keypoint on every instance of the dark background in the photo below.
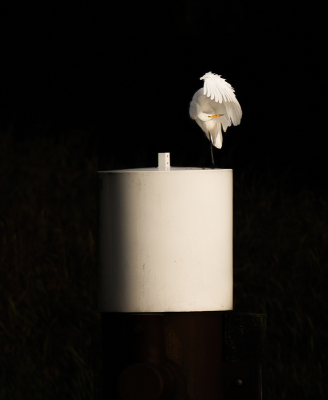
(126, 73)
(86, 88)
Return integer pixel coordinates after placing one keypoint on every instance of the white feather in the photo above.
(216, 97)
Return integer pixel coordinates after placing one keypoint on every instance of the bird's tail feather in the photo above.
(216, 134)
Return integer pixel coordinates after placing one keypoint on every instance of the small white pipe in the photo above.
(164, 161)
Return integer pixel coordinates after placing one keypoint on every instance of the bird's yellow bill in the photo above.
(215, 115)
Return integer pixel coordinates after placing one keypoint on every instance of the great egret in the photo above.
(214, 105)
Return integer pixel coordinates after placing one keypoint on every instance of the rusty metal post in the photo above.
(183, 356)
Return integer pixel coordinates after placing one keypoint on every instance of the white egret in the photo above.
(213, 106)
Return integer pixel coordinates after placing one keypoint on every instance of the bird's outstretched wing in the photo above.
(215, 106)
(217, 88)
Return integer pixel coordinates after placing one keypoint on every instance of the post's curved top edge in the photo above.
(172, 169)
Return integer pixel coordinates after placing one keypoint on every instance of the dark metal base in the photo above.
(182, 356)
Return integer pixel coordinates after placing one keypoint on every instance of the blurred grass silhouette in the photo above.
(50, 328)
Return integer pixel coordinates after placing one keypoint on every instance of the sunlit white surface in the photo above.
(165, 240)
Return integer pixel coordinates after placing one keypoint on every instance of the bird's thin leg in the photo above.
(211, 145)
(204, 153)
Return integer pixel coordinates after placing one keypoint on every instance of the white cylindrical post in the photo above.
(165, 239)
